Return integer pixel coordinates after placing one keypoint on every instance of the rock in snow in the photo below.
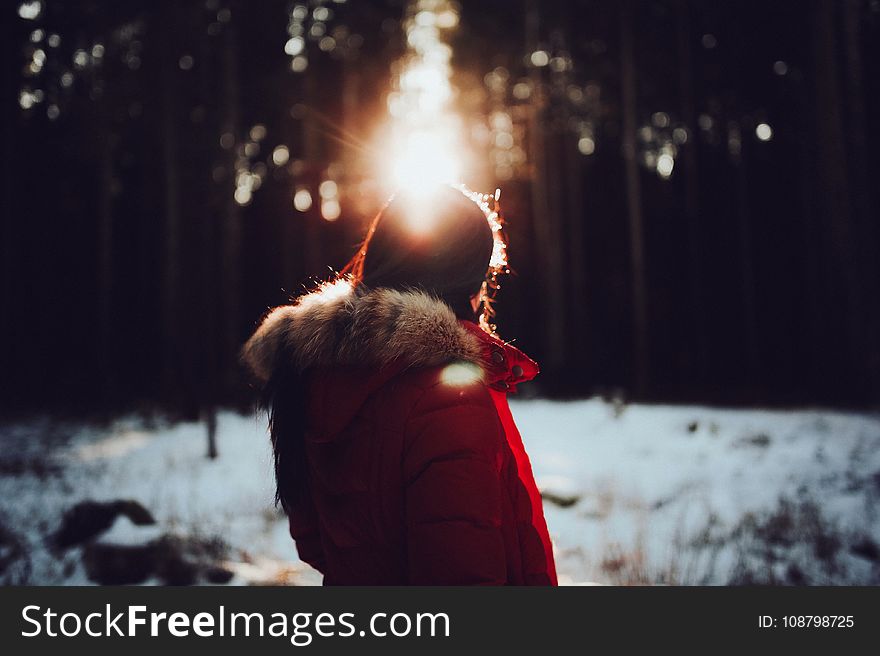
(88, 519)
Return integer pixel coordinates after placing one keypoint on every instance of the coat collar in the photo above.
(342, 325)
(504, 365)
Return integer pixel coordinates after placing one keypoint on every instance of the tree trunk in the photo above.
(699, 342)
(171, 232)
(573, 225)
(546, 222)
(578, 319)
(105, 255)
(834, 188)
(10, 275)
(316, 162)
(208, 297)
(231, 224)
(746, 258)
(860, 187)
(634, 200)
(209, 413)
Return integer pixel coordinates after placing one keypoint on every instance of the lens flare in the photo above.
(460, 374)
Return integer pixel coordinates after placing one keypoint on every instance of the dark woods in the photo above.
(690, 189)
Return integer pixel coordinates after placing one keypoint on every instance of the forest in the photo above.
(687, 188)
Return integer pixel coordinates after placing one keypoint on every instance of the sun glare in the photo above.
(422, 160)
(424, 148)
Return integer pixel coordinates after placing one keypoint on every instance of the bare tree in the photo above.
(171, 209)
(691, 181)
(546, 220)
(634, 199)
(833, 183)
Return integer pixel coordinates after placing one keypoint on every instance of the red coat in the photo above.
(417, 473)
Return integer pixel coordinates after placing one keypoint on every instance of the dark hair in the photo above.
(284, 397)
(447, 256)
(440, 243)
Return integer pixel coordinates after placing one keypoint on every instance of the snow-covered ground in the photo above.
(634, 494)
(694, 495)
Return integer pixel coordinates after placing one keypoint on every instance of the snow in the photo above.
(165, 469)
(651, 493)
(652, 479)
(125, 533)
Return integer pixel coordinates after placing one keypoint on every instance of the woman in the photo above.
(396, 456)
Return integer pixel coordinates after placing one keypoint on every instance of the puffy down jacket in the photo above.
(417, 473)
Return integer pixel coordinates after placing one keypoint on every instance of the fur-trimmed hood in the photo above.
(339, 325)
(342, 325)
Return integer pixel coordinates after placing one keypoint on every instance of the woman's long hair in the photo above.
(284, 398)
(446, 244)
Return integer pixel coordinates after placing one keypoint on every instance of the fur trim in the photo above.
(339, 325)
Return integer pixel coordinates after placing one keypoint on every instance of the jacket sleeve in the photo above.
(453, 490)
